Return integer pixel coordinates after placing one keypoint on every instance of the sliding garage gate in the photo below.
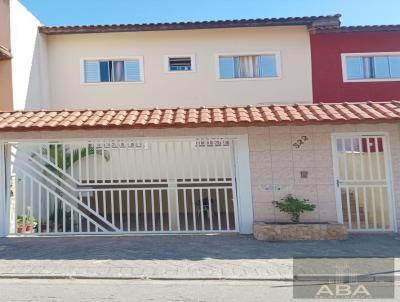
(122, 186)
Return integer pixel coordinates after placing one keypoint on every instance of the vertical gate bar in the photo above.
(80, 162)
(135, 161)
(210, 209)
(71, 159)
(128, 208)
(201, 209)
(56, 155)
(346, 172)
(218, 208)
(47, 210)
(96, 200)
(111, 161)
(127, 163)
(72, 220)
(185, 207)
(215, 163)
(182, 150)
(48, 152)
(64, 159)
(374, 207)
(199, 159)
(190, 148)
(176, 160)
(382, 208)
(23, 202)
(167, 162)
(228, 227)
(103, 172)
(152, 177)
(88, 229)
(56, 213)
(194, 211)
(143, 161)
(121, 222)
(112, 207)
(137, 210)
(119, 142)
(104, 204)
(159, 161)
(371, 177)
(361, 158)
(87, 163)
(223, 161)
(31, 203)
(64, 224)
(353, 165)
(40, 208)
(80, 223)
(378, 159)
(88, 199)
(357, 207)
(144, 209)
(161, 210)
(207, 160)
(178, 218)
(169, 209)
(348, 208)
(153, 215)
(96, 180)
(366, 208)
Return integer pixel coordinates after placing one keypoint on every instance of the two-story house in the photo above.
(192, 143)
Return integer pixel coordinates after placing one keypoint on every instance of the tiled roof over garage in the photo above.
(201, 117)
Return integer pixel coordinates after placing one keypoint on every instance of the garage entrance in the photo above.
(184, 185)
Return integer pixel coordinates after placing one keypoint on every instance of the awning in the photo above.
(272, 115)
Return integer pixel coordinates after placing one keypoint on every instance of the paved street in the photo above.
(175, 257)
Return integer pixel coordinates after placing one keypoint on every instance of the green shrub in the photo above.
(294, 207)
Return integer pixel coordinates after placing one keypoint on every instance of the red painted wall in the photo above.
(326, 50)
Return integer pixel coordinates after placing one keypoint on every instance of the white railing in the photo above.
(123, 186)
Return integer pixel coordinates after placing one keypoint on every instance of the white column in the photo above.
(172, 187)
(245, 201)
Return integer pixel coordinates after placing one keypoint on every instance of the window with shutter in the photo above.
(106, 71)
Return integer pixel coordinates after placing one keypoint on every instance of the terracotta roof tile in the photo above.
(200, 117)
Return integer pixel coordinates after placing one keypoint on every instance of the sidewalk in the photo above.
(230, 257)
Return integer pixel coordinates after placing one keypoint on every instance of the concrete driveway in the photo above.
(176, 257)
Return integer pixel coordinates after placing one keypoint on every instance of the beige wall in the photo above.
(5, 23)
(5, 65)
(186, 89)
(274, 161)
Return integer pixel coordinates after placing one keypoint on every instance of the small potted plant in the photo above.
(29, 226)
(294, 207)
(296, 230)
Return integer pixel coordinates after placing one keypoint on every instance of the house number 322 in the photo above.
(301, 141)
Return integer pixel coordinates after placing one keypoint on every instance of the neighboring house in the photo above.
(207, 153)
(360, 63)
(6, 99)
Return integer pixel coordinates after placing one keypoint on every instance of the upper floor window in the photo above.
(248, 66)
(115, 70)
(371, 67)
(182, 63)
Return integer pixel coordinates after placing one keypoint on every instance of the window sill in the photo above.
(249, 79)
(111, 83)
(371, 80)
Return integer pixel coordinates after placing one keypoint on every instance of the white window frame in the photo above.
(277, 55)
(365, 54)
(120, 58)
(192, 60)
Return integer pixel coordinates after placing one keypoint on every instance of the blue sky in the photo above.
(70, 12)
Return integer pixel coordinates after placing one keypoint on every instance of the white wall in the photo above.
(29, 68)
(185, 89)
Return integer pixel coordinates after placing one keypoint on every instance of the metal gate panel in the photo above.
(363, 184)
(123, 186)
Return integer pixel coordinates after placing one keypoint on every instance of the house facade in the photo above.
(360, 63)
(225, 125)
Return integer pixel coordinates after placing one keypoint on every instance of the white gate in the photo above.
(123, 186)
(362, 179)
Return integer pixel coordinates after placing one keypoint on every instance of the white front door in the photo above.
(363, 186)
